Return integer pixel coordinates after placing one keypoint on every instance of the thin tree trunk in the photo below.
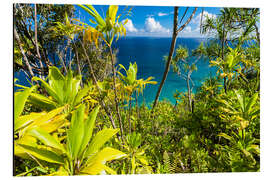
(169, 57)
(129, 114)
(107, 109)
(78, 61)
(222, 55)
(137, 105)
(61, 59)
(23, 53)
(173, 42)
(65, 56)
(115, 92)
(189, 95)
(37, 48)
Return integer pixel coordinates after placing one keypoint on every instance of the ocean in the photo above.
(148, 53)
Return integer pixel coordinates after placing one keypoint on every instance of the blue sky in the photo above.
(154, 21)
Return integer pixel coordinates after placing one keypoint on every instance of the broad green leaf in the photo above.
(45, 138)
(45, 117)
(57, 82)
(19, 102)
(54, 124)
(99, 140)
(25, 120)
(26, 140)
(80, 95)
(96, 164)
(88, 128)
(42, 101)
(48, 88)
(76, 132)
(43, 154)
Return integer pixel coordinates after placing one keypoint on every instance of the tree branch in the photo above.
(189, 19)
(23, 53)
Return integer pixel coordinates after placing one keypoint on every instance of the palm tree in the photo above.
(234, 25)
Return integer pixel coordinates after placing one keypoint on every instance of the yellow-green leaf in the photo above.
(43, 154)
(99, 140)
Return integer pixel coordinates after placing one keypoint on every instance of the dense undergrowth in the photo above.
(68, 125)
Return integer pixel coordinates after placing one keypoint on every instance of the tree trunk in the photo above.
(23, 53)
(137, 105)
(107, 109)
(115, 93)
(189, 95)
(222, 55)
(129, 114)
(77, 58)
(175, 33)
(37, 48)
(169, 57)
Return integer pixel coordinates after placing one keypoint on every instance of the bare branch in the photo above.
(23, 53)
(36, 42)
(189, 19)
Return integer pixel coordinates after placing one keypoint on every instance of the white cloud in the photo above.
(187, 29)
(206, 14)
(153, 26)
(193, 29)
(130, 27)
(162, 14)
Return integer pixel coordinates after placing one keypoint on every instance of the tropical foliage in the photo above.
(80, 113)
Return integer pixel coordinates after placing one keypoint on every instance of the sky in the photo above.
(155, 21)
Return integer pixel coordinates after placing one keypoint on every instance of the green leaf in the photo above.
(225, 136)
(25, 120)
(92, 11)
(76, 132)
(251, 102)
(45, 117)
(230, 59)
(133, 165)
(240, 100)
(143, 160)
(48, 88)
(57, 82)
(99, 140)
(43, 154)
(19, 102)
(96, 164)
(80, 95)
(88, 128)
(45, 138)
(112, 12)
(42, 101)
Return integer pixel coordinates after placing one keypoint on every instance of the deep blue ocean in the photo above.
(148, 53)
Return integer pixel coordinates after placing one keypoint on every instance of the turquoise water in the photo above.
(148, 53)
